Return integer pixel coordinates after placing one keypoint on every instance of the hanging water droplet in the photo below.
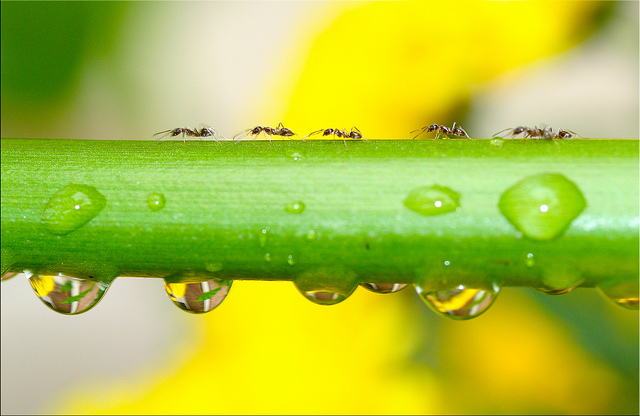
(383, 287)
(263, 236)
(497, 142)
(295, 207)
(72, 207)
(542, 206)
(156, 201)
(622, 292)
(290, 260)
(530, 262)
(433, 200)
(199, 296)
(327, 286)
(8, 275)
(461, 302)
(559, 279)
(67, 295)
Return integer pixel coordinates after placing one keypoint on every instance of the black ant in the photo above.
(455, 130)
(281, 130)
(354, 134)
(536, 133)
(188, 131)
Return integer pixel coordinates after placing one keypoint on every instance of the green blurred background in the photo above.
(118, 70)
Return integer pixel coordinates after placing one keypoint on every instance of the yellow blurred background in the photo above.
(128, 70)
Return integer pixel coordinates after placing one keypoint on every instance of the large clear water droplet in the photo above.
(327, 286)
(461, 302)
(543, 206)
(296, 207)
(198, 296)
(383, 287)
(623, 292)
(67, 295)
(72, 207)
(433, 200)
(156, 201)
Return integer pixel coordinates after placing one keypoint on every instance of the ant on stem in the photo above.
(281, 130)
(190, 132)
(455, 130)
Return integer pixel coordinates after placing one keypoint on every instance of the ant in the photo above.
(547, 133)
(188, 131)
(455, 130)
(281, 130)
(354, 134)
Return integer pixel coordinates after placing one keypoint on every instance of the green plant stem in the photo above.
(225, 209)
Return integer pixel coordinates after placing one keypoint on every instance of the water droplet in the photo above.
(447, 262)
(213, 267)
(529, 262)
(542, 206)
(326, 286)
(291, 260)
(560, 279)
(263, 237)
(383, 287)
(67, 295)
(156, 201)
(199, 296)
(624, 293)
(311, 235)
(461, 302)
(296, 156)
(497, 142)
(295, 207)
(267, 257)
(8, 275)
(72, 207)
(433, 200)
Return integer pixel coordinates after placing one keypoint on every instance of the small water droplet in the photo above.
(156, 201)
(295, 207)
(72, 207)
(213, 267)
(447, 262)
(263, 236)
(267, 257)
(529, 262)
(542, 206)
(327, 286)
(8, 275)
(461, 302)
(383, 287)
(559, 279)
(622, 292)
(200, 296)
(497, 142)
(67, 295)
(291, 260)
(433, 200)
(296, 156)
(311, 235)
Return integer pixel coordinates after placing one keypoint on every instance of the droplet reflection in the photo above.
(461, 302)
(198, 297)
(68, 295)
(383, 287)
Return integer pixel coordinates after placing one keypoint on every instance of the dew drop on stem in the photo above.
(461, 302)
(66, 294)
(198, 296)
